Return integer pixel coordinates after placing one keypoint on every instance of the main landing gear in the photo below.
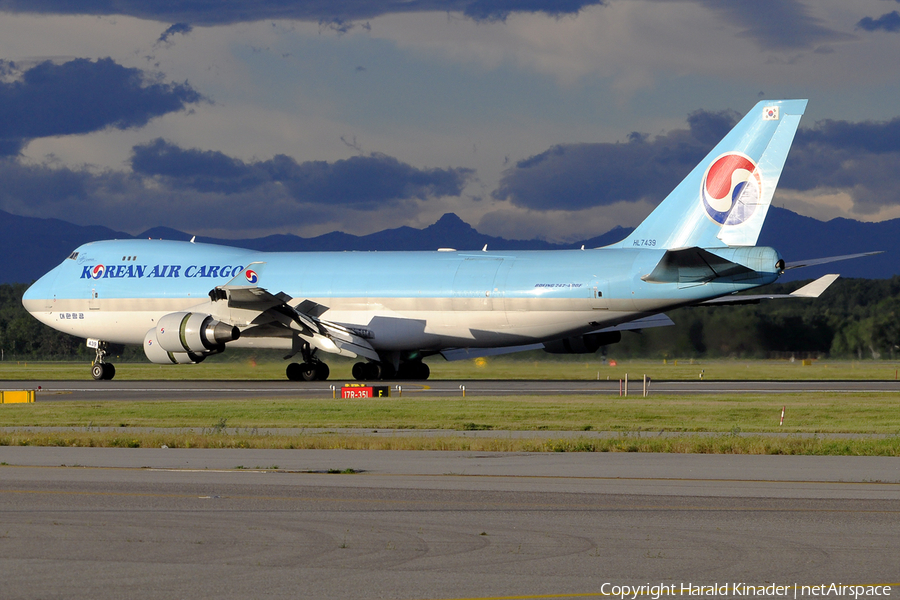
(374, 371)
(101, 371)
(311, 369)
(315, 370)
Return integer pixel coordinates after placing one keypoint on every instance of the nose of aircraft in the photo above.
(40, 295)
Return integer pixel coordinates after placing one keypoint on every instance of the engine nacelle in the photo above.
(187, 338)
(193, 332)
(157, 354)
(583, 344)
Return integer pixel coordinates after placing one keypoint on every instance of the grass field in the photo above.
(738, 419)
(804, 413)
(687, 444)
(533, 366)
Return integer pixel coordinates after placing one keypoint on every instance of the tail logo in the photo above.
(251, 276)
(731, 189)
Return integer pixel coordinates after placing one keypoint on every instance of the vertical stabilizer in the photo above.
(724, 200)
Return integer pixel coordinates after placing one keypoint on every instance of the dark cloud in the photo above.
(177, 28)
(127, 202)
(340, 14)
(210, 192)
(366, 182)
(886, 22)
(81, 96)
(866, 138)
(497, 10)
(201, 170)
(577, 176)
(777, 24)
(861, 159)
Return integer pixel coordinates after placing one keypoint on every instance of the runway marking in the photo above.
(363, 473)
(478, 506)
(443, 504)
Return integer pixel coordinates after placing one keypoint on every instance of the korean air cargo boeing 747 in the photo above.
(184, 301)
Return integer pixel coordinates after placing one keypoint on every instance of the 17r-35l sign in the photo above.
(365, 391)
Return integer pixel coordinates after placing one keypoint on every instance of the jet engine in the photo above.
(185, 337)
(583, 344)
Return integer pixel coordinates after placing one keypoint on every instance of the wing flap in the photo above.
(304, 318)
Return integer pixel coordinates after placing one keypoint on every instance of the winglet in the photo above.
(815, 289)
(248, 277)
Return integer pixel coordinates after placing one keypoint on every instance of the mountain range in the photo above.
(33, 246)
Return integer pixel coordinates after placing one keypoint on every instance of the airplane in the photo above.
(185, 301)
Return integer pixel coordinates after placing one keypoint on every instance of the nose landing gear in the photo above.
(100, 370)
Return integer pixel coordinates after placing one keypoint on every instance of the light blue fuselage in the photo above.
(402, 301)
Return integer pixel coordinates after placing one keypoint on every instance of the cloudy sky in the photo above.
(557, 119)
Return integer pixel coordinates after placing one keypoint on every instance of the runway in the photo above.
(154, 523)
(218, 390)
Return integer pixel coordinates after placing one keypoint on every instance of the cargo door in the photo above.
(599, 294)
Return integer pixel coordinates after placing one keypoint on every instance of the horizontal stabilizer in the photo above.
(810, 290)
(796, 264)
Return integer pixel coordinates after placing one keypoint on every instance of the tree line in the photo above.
(854, 318)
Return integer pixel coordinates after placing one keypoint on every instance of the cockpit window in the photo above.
(73, 256)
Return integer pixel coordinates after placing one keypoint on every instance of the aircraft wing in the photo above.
(657, 320)
(258, 306)
(810, 290)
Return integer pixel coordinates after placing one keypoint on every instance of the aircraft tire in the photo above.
(359, 371)
(373, 371)
(413, 370)
(309, 372)
(322, 371)
(103, 371)
(406, 370)
(422, 371)
(294, 372)
(388, 371)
